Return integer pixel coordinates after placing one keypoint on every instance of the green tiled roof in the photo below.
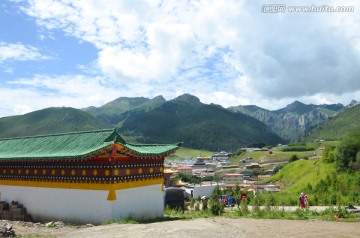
(149, 150)
(71, 145)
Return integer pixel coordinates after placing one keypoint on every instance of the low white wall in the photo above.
(86, 206)
(203, 190)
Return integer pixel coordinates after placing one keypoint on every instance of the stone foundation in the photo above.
(13, 211)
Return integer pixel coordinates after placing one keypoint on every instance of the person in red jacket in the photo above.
(302, 201)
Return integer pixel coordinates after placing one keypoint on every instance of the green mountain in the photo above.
(116, 111)
(49, 121)
(142, 120)
(301, 108)
(337, 126)
(198, 125)
(185, 118)
(293, 121)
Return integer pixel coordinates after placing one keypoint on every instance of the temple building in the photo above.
(83, 177)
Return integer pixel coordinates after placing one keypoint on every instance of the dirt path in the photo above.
(205, 228)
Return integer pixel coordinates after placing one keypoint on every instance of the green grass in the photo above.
(321, 144)
(320, 181)
(186, 153)
(277, 153)
(125, 220)
(265, 156)
(299, 214)
(298, 174)
(269, 212)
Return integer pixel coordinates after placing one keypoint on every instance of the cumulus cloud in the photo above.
(42, 91)
(19, 52)
(225, 52)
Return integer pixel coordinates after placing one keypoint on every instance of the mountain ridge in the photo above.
(184, 118)
(295, 120)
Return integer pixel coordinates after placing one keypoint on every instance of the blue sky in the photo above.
(89, 52)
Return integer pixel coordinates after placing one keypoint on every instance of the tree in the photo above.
(256, 145)
(328, 154)
(347, 151)
(293, 158)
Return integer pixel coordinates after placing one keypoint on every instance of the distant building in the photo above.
(205, 189)
(251, 149)
(187, 171)
(199, 163)
(221, 156)
(233, 178)
(253, 166)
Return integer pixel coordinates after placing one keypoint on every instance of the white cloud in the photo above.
(20, 109)
(224, 52)
(19, 52)
(44, 91)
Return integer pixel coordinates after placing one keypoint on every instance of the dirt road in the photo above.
(205, 228)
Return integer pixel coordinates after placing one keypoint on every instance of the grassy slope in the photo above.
(277, 154)
(295, 178)
(185, 153)
(338, 126)
(264, 156)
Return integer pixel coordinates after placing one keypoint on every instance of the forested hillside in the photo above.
(49, 121)
(338, 126)
(198, 125)
(186, 119)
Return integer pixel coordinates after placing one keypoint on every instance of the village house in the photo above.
(221, 156)
(253, 166)
(233, 179)
(253, 149)
(186, 170)
(84, 177)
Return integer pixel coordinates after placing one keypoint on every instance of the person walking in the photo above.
(302, 201)
(306, 200)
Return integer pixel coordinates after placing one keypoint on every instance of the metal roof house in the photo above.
(83, 177)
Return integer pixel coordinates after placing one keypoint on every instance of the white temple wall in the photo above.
(86, 206)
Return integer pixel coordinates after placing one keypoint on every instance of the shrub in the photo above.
(347, 152)
(205, 204)
(217, 208)
(293, 158)
(197, 206)
(297, 148)
(192, 203)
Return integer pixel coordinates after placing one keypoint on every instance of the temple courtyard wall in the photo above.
(81, 206)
